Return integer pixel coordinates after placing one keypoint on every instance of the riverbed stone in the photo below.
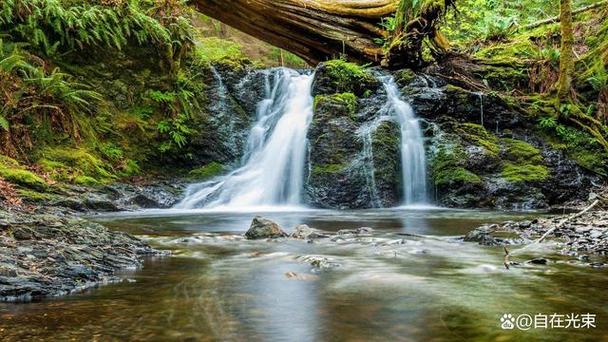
(47, 255)
(262, 228)
(304, 232)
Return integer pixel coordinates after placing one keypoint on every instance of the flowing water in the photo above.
(273, 167)
(425, 286)
(413, 159)
(412, 279)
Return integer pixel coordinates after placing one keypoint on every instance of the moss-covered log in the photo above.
(317, 30)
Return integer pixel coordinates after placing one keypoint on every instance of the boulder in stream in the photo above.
(262, 228)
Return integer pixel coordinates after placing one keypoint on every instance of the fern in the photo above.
(40, 22)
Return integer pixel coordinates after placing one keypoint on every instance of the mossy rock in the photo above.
(78, 165)
(524, 173)
(206, 172)
(519, 151)
(34, 196)
(346, 100)
(478, 135)
(86, 180)
(14, 173)
(404, 77)
(340, 76)
(448, 167)
(456, 175)
(23, 177)
(324, 169)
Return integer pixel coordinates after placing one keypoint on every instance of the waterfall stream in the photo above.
(272, 168)
(413, 159)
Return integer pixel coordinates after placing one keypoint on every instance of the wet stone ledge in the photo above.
(45, 255)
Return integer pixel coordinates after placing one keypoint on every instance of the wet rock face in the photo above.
(117, 197)
(262, 228)
(471, 158)
(47, 255)
(482, 154)
(354, 158)
(233, 91)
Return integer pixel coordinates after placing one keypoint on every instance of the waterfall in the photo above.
(272, 169)
(413, 159)
(365, 133)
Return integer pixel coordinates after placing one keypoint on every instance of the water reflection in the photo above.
(387, 287)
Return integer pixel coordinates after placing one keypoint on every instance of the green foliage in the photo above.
(565, 133)
(497, 20)
(288, 59)
(524, 172)
(213, 49)
(208, 171)
(597, 75)
(52, 24)
(346, 76)
(111, 151)
(578, 145)
(33, 96)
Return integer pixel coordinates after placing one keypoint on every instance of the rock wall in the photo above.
(353, 147)
(481, 153)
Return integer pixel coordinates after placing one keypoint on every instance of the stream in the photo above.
(425, 286)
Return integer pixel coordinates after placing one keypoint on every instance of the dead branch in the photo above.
(556, 19)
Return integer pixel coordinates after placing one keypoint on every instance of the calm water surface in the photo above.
(386, 287)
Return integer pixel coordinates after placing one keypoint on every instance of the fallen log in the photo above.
(317, 30)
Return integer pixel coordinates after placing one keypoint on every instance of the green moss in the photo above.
(85, 180)
(130, 168)
(404, 76)
(13, 172)
(478, 135)
(208, 171)
(34, 196)
(455, 175)
(447, 167)
(347, 100)
(8, 161)
(346, 76)
(22, 177)
(386, 135)
(328, 168)
(213, 49)
(76, 164)
(524, 173)
(520, 151)
(510, 52)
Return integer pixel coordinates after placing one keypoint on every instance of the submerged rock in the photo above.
(262, 228)
(304, 232)
(318, 261)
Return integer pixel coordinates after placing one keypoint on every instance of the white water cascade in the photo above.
(413, 159)
(272, 169)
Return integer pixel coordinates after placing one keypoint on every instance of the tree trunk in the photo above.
(317, 30)
(566, 60)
